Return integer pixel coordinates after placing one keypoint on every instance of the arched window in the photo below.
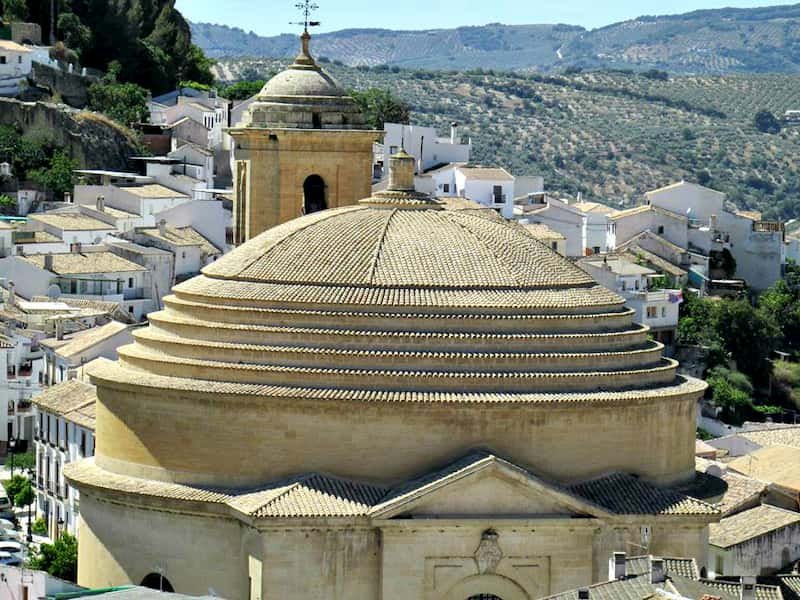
(314, 195)
(156, 581)
(484, 597)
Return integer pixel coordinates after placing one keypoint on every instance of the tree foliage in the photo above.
(766, 122)
(381, 106)
(60, 558)
(126, 103)
(15, 10)
(59, 176)
(242, 90)
(150, 39)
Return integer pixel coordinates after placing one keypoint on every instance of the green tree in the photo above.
(39, 526)
(74, 33)
(766, 122)
(15, 484)
(731, 391)
(242, 90)
(15, 10)
(59, 177)
(8, 206)
(126, 103)
(749, 336)
(380, 107)
(25, 495)
(60, 558)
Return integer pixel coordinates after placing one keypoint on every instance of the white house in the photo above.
(192, 251)
(22, 582)
(656, 308)
(550, 238)
(758, 246)
(145, 200)
(15, 66)
(757, 541)
(65, 419)
(492, 187)
(204, 107)
(558, 216)
(71, 227)
(424, 144)
(98, 275)
(65, 355)
(601, 231)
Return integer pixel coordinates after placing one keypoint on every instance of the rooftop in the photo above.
(153, 191)
(774, 464)
(618, 266)
(73, 400)
(9, 46)
(89, 263)
(682, 184)
(542, 232)
(750, 524)
(181, 236)
(783, 436)
(77, 343)
(485, 173)
(71, 221)
(593, 207)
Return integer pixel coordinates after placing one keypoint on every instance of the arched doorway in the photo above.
(156, 581)
(314, 195)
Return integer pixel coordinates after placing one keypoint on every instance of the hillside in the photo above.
(608, 135)
(710, 42)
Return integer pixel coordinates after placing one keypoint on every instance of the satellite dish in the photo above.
(54, 292)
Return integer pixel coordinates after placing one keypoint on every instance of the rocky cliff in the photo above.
(93, 140)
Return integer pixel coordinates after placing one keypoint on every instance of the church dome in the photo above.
(370, 341)
(296, 81)
(304, 96)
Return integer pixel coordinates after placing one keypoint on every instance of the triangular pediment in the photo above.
(479, 485)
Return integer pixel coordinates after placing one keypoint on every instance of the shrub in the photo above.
(60, 558)
(766, 122)
(39, 526)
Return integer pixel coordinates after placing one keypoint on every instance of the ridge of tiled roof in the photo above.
(750, 524)
(621, 493)
(640, 565)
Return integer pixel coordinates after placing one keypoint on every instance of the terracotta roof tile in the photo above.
(750, 524)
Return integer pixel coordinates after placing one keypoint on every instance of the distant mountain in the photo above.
(709, 42)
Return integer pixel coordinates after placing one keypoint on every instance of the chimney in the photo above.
(617, 566)
(48, 261)
(453, 132)
(583, 594)
(712, 223)
(162, 228)
(68, 197)
(101, 203)
(748, 589)
(59, 329)
(657, 572)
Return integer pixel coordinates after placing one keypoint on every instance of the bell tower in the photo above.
(302, 147)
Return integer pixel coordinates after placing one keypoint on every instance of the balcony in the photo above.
(768, 226)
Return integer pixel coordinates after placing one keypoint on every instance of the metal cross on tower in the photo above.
(306, 8)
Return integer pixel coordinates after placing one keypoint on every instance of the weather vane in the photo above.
(306, 7)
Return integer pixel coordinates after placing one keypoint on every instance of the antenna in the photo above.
(306, 8)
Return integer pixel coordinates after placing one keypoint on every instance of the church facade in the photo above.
(387, 400)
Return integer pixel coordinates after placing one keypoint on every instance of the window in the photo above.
(660, 230)
(596, 249)
(554, 245)
(652, 312)
(19, 60)
(3, 60)
(183, 255)
(130, 282)
(497, 193)
(663, 312)
(624, 285)
(392, 150)
(636, 283)
(130, 309)
(446, 188)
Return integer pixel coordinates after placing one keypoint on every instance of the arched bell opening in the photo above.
(314, 195)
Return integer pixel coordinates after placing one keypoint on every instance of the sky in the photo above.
(271, 17)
